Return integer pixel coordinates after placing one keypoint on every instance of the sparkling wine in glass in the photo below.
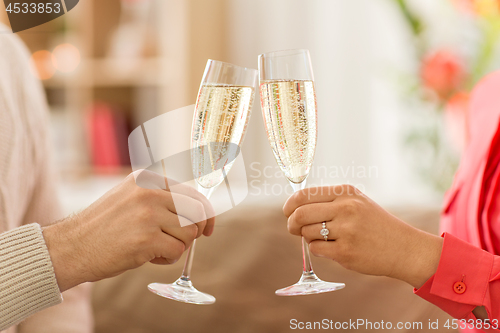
(220, 120)
(288, 101)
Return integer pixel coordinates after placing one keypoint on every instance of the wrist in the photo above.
(63, 252)
(422, 258)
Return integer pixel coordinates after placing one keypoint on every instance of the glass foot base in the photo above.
(182, 291)
(309, 284)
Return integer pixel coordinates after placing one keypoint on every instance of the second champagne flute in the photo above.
(220, 120)
(288, 103)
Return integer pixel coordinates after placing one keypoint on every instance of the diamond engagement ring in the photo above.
(324, 232)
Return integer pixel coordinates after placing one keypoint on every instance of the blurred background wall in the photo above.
(117, 63)
(392, 77)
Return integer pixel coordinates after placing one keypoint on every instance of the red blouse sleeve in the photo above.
(467, 277)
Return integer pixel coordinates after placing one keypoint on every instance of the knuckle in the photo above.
(306, 232)
(350, 207)
(344, 253)
(177, 249)
(299, 215)
(131, 177)
(199, 211)
(357, 191)
(147, 213)
(347, 230)
(144, 243)
(347, 208)
(209, 209)
(292, 228)
(142, 195)
(338, 190)
(142, 240)
(191, 191)
(200, 228)
(191, 231)
(348, 189)
(299, 196)
(191, 208)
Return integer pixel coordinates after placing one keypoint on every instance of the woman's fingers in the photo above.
(323, 249)
(310, 214)
(315, 195)
(312, 232)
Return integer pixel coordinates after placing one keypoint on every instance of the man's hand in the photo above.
(127, 227)
(363, 236)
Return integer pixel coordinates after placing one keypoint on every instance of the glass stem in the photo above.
(306, 257)
(186, 272)
(308, 268)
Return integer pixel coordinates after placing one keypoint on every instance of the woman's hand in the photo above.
(363, 236)
(127, 227)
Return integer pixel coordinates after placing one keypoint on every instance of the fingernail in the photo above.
(172, 261)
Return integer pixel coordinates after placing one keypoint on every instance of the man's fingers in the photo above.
(151, 180)
(191, 209)
(315, 195)
(163, 261)
(167, 249)
(188, 207)
(186, 234)
(176, 187)
(310, 214)
(209, 227)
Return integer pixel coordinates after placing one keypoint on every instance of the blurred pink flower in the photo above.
(443, 73)
(479, 7)
(465, 5)
(455, 118)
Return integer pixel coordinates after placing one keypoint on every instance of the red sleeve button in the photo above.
(459, 287)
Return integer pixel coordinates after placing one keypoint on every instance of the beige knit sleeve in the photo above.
(27, 280)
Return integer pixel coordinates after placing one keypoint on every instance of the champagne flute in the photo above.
(288, 102)
(220, 120)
